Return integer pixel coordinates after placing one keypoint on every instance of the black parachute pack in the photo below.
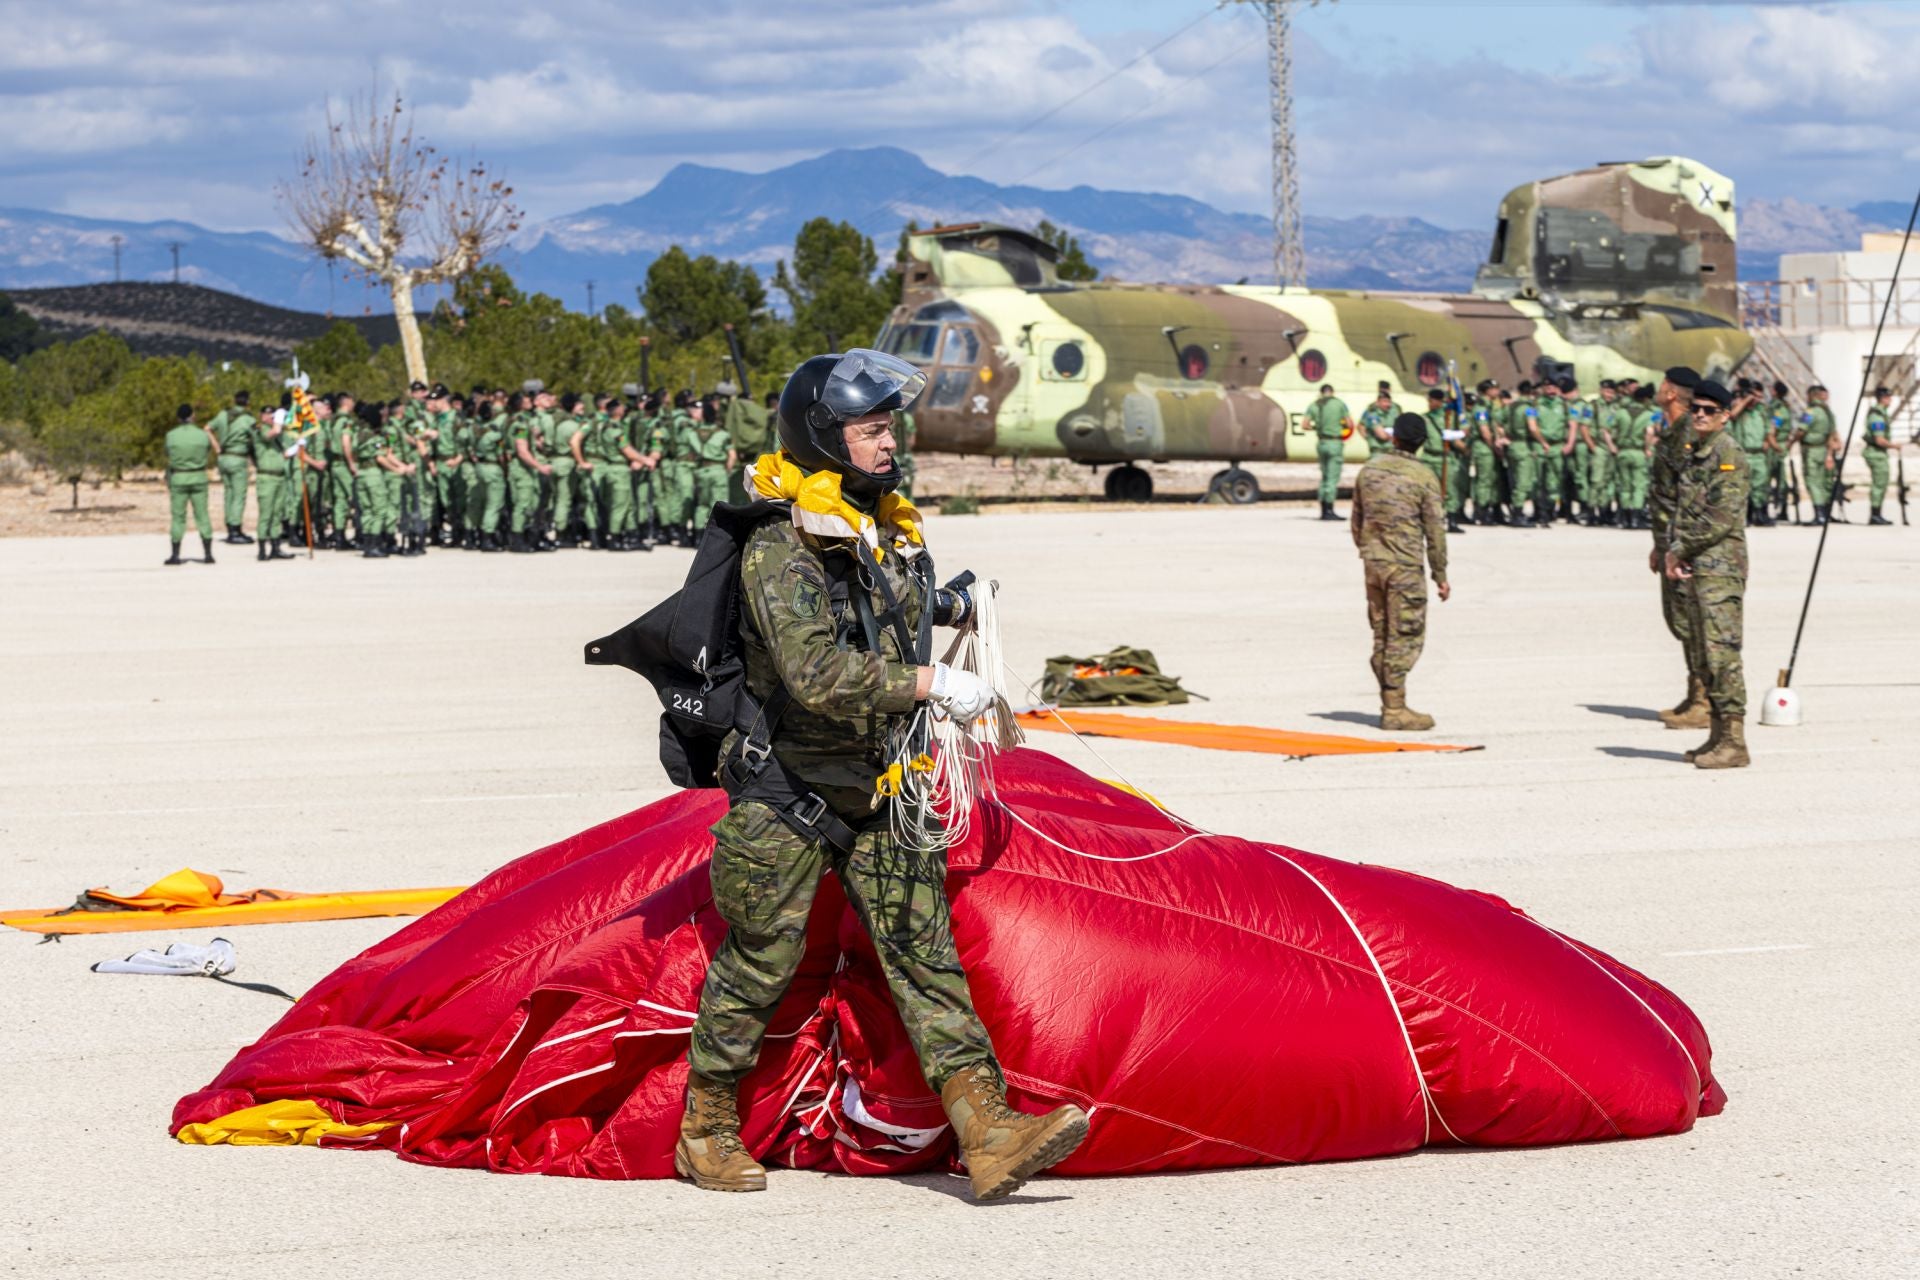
(688, 648)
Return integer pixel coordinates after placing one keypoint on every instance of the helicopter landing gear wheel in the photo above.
(1129, 484)
(1235, 486)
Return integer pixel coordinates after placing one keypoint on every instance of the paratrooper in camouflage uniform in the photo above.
(1398, 525)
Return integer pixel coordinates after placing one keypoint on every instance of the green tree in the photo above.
(831, 287)
(336, 356)
(1073, 264)
(65, 372)
(687, 298)
(19, 332)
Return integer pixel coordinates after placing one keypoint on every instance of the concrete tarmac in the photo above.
(355, 724)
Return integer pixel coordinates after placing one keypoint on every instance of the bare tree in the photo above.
(396, 208)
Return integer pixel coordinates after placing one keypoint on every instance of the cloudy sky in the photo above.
(193, 110)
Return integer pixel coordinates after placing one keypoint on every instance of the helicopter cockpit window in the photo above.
(915, 342)
(1585, 249)
(961, 347)
(1193, 362)
(1069, 360)
(1429, 369)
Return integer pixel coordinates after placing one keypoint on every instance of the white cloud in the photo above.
(199, 107)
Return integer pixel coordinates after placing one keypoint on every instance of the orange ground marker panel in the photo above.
(319, 906)
(1218, 737)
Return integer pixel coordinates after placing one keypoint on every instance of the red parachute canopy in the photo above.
(1210, 1001)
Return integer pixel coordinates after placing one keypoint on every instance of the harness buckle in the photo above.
(803, 816)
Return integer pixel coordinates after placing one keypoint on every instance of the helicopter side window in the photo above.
(915, 342)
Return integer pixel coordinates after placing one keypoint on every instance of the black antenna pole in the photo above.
(1866, 381)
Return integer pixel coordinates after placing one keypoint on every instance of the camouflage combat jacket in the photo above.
(1663, 484)
(1397, 514)
(1710, 517)
(847, 701)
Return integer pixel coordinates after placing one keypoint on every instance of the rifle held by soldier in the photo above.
(1901, 480)
(1793, 489)
(739, 363)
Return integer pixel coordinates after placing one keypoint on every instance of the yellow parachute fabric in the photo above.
(293, 1122)
(819, 508)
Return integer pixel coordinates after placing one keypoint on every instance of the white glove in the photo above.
(960, 694)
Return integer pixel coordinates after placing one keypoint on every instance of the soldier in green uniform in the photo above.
(1445, 457)
(1556, 445)
(1377, 424)
(232, 429)
(1397, 526)
(1663, 495)
(190, 450)
(1636, 451)
(1580, 418)
(451, 473)
(1819, 446)
(1707, 558)
(1779, 430)
(271, 468)
(562, 431)
(714, 461)
(673, 497)
(1615, 418)
(1481, 452)
(771, 850)
(487, 496)
(1331, 424)
(1748, 429)
(364, 447)
(653, 437)
(1878, 449)
(607, 446)
(407, 450)
(525, 471)
(1523, 459)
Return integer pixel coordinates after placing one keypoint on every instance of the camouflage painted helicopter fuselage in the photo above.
(1613, 272)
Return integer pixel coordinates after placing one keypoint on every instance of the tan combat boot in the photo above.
(1713, 740)
(1731, 751)
(1693, 711)
(710, 1151)
(1395, 715)
(1004, 1147)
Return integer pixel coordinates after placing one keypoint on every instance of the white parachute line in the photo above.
(576, 1035)
(1112, 768)
(1692, 1065)
(516, 1104)
(1431, 1111)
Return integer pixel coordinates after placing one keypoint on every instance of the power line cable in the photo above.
(1866, 381)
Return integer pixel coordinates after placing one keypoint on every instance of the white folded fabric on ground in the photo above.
(184, 959)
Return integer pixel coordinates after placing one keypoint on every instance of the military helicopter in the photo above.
(1621, 270)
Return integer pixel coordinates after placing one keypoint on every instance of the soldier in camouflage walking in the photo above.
(1706, 558)
(850, 700)
(1398, 525)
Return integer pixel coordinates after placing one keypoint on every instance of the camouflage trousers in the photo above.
(1397, 612)
(1674, 608)
(1714, 614)
(764, 877)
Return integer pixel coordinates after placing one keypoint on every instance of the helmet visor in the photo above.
(865, 381)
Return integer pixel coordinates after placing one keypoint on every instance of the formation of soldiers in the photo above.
(492, 470)
(1539, 452)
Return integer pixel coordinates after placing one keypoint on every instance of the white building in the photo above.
(1816, 324)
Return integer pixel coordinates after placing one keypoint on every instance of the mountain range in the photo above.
(753, 217)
